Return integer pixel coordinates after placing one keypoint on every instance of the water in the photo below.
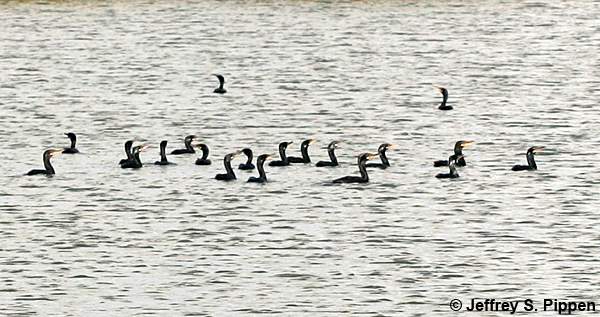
(96, 240)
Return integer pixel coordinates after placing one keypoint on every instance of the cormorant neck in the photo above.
(332, 157)
(48, 165)
(204, 152)
(261, 170)
(128, 151)
(163, 155)
(458, 150)
(188, 145)
(384, 158)
(137, 159)
(282, 154)
(445, 98)
(363, 170)
(531, 161)
(250, 157)
(73, 141)
(227, 164)
(304, 151)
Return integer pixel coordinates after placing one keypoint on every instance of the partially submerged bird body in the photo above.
(304, 151)
(364, 177)
(48, 168)
(331, 152)
(220, 90)
(189, 149)
(135, 162)
(163, 154)
(452, 166)
(284, 159)
(128, 145)
(385, 163)
(229, 175)
(531, 165)
(443, 105)
(72, 149)
(260, 166)
(249, 156)
(458, 147)
(203, 160)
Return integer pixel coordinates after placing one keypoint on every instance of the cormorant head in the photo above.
(442, 90)
(535, 149)
(128, 144)
(264, 157)
(464, 144)
(71, 136)
(247, 152)
(221, 79)
(52, 152)
(163, 144)
(366, 156)
(334, 145)
(230, 156)
(203, 147)
(140, 148)
(189, 138)
(308, 142)
(284, 145)
(385, 146)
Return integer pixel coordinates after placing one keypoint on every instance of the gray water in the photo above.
(96, 240)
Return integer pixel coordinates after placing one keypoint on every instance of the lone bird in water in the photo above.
(188, 146)
(384, 160)
(163, 154)
(331, 152)
(444, 92)
(220, 90)
(452, 166)
(458, 147)
(204, 159)
(260, 163)
(364, 177)
(135, 161)
(72, 149)
(284, 159)
(530, 160)
(48, 169)
(249, 155)
(229, 176)
(304, 150)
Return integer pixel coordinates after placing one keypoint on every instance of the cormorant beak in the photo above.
(312, 141)
(144, 147)
(537, 149)
(465, 144)
(440, 89)
(236, 153)
(392, 146)
(56, 152)
(268, 156)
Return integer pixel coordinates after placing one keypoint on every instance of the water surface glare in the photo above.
(96, 240)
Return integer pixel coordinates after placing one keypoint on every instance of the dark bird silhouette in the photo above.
(284, 159)
(260, 163)
(135, 162)
(444, 92)
(384, 160)
(452, 166)
(189, 149)
(331, 151)
(128, 145)
(72, 149)
(220, 90)
(48, 169)
(230, 175)
(364, 177)
(248, 165)
(203, 160)
(531, 165)
(458, 147)
(163, 154)
(304, 150)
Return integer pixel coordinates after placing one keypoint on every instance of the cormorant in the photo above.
(72, 149)
(229, 176)
(188, 146)
(384, 160)
(458, 147)
(128, 145)
(444, 92)
(331, 151)
(248, 165)
(530, 160)
(452, 165)
(220, 90)
(364, 177)
(262, 176)
(48, 169)
(135, 162)
(204, 159)
(304, 150)
(284, 159)
(163, 154)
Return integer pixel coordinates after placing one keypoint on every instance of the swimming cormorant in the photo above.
(444, 92)
(72, 149)
(364, 177)
(458, 147)
(530, 160)
(304, 150)
(384, 160)
(248, 165)
(331, 151)
(135, 162)
(128, 145)
(284, 159)
(163, 154)
(204, 159)
(220, 90)
(262, 176)
(188, 146)
(452, 166)
(48, 169)
(229, 176)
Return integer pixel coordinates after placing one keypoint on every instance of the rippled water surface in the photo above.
(96, 240)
